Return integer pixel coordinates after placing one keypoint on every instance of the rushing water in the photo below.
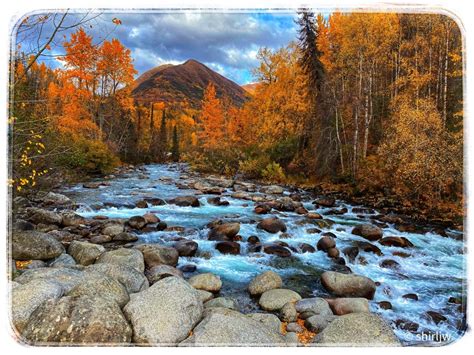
(434, 270)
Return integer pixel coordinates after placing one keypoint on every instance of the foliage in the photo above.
(273, 172)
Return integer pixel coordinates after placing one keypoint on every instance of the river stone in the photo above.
(348, 285)
(100, 285)
(124, 256)
(186, 247)
(53, 198)
(368, 231)
(274, 300)
(78, 320)
(271, 321)
(85, 253)
(207, 282)
(224, 302)
(277, 250)
(133, 280)
(318, 322)
(325, 243)
(38, 215)
(357, 329)
(165, 313)
(71, 219)
(137, 222)
(294, 327)
(28, 297)
(333, 253)
(28, 245)
(155, 254)
(288, 312)
(113, 229)
(264, 282)
(224, 327)
(272, 225)
(227, 247)
(224, 232)
(273, 189)
(100, 239)
(325, 201)
(62, 260)
(158, 272)
(205, 295)
(400, 242)
(341, 306)
(66, 277)
(125, 237)
(151, 218)
(185, 201)
(308, 307)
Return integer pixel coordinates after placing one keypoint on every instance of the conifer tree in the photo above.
(175, 146)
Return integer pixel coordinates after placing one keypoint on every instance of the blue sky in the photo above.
(226, 42)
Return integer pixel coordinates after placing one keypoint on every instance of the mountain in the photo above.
(250, 88)
(184, 83)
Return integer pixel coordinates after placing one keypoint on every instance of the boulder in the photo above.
(137, 222)
(277, 250)
(151, 218)
(318, 322)
(186, 247)
(85, 253)
(224, 327)
(341, 306)
(22, 225)
(309, 307)
(158, 272)
(62, 260)
(368, 231)
(217, 201)
(71, 219)
(224, 232)
(288, 312)
(325, 243)
(325, 202)
(65, 277)
(155, 254)
(205, 295)
(360, 329)
(78, 320)
(95, 284)
(132, 279)
(185, 201)
(294, 327)
(52, 198)
(306, 248)
(26, 298)
(28, 245)
(333, 253)
(369, 248)
(271, 321)
(385, 305)
(227, 247)
(112, 229)
(207, 282)
(348, 285)
(224, 302)
(266, 281)
(273, 189)
(123, 256)
(400, 242)
(125, 237)
(274, 300)
(165, 313)
(100, 239)
(272, 225)
(38, 215)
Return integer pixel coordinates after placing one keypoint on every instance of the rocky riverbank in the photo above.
(94, 278)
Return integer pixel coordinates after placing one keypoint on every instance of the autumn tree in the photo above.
(211, 127)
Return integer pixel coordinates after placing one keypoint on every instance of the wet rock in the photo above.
(28, 245)
(272, 189)
(100, 239)
(325, 202)
(78, 320)
(123, 256)
(318, 322)
(99, 285)
(325, 243)
(345, 285)
(368, 231)
(306, 248)
(188, 268)
(158, 272)
(262, 209)
(155, 254)
(125, 237)
(407, 325)
(308, 307)
(66, 277)
(151, 218)
(161, 226)
(263, 282)
(277, 250)
(337, 212)
(333, 253)
(369, 248)
(137, 222)
(351, 253)
(288, 312)
(72, 219)
(341, 306)
(254, 248)
(62, 260)
(313, 215)
(385, 305)
(217, 201)
(112, 228)
(85, 253)
(455, 300)
(275, 299)
(436, 317)
(272, 225)
(364, 329)
(389, 264)
(185, 201)
(155, 201)
(207, 282)
(301, 210)
(226, 327)
(313, 231)
(165, 313)
(253, 239)
(228, 247)
(141, 204)
(38, 215)
(400, 242)
(52, 198)
(28, 297)
(132, 279)
(411, 296)
(186, 247)
(224, 232)
(224, 302)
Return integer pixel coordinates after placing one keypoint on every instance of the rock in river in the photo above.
(224, 232)
(185, 201)
(348, 285)
(274, 300)
(272, 225)
(308, 307)
(186, 247)
(27, 245)
(227, 247)
(207, 282)
(155, 254)
(400, 242)
(341, 306)
(368, 231)
(277, 250)
(165, 313)
(325, 243)
(266, 281)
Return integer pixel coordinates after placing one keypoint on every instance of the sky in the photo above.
(225, 42)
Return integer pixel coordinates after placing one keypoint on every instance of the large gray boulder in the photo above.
(38, 215)
(268, 280)
(342, 306)
(28, 297)
(62, 260)
(133, 280)
(165, 313)
(223, 327)
(207, 282)
(158, 272)
(308, 307)
(53, 198)
(357, 329)
(274, 300)
(269, 320)
(85, 253)
(318, 322)
(78, 320)
(224, 302)
(123, 256)
(155, 254)
(65, 277)
(348, 285)
(72, 219)
(33, 245)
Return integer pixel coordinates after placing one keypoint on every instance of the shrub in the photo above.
(273, 172)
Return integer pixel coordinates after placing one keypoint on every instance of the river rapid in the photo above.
(433, 269)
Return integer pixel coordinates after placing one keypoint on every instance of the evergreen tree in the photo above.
(163, 138)
(175, 146)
